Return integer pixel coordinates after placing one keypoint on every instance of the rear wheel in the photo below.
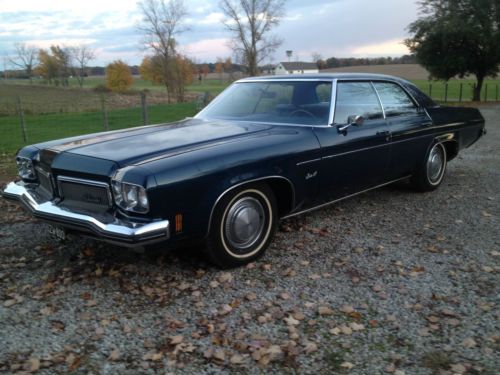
(431, 172)
(242, 226)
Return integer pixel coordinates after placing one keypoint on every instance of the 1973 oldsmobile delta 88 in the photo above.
(266, 148)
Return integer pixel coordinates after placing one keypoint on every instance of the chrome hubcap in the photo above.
(435, 164)
(244, 223)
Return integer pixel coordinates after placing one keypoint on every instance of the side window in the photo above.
(394, 99)
(356, 98)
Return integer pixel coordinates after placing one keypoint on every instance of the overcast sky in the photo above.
(340, 28)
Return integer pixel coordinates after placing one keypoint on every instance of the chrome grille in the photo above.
(45, 179)
(85, 193)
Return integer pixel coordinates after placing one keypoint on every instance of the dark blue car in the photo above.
(266, 148)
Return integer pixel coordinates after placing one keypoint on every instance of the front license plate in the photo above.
(57, 232)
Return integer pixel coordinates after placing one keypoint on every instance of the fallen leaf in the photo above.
(347, 309)
(219, 355)
(174, 340)
(236, 359)
(114, 355)
(347, 365)
(226, 309)
(325, 310)
(424, 332)
(225, 277)
(310, 347)
(251, 296)
(9, 302)
(274, 351)
(469, 342)
(285, 296)
(345, 329)
(458, 368)
(377, 288)
(32, 365)
(433, 319)
(298, 315)
(291, 321)
(335, 331)
(356, 327)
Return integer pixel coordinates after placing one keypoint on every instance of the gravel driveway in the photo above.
(392, 281)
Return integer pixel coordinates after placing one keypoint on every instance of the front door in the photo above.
(357, 158)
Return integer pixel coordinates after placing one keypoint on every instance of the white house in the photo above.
(296, 67)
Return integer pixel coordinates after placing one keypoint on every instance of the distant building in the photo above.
(296, 67)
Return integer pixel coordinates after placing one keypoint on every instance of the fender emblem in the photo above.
(311, 175)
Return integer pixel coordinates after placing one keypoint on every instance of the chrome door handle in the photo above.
(386, 133)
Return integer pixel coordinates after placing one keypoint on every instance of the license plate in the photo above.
(57, 232)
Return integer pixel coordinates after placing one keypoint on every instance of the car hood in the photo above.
(132, 146)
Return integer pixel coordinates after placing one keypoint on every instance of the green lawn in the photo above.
(215, 86)
(437, 89)
(53, 126)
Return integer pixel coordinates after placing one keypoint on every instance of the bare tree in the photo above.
(25, 58)
(161, 24)
(81, 56)
(250, 22)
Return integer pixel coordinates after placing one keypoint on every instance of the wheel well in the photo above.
(451, 148)
(281, 187)
(284, 194)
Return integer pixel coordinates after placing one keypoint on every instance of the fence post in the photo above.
(104, 113)
(460, 94)
(21, 118)
(486, 92)
(430, 90)
(446, 92)
(144, 107)
(473, 90)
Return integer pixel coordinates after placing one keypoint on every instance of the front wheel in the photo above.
(431, 172)
(242, 226)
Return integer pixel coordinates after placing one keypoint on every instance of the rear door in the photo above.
(356, 159)
(409, 126)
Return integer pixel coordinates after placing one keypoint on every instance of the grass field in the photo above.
(212, 85)
(53, 126)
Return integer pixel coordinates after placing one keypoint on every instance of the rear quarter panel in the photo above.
(466, 124)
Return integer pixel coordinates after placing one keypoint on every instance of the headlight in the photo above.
(130, 197)
(25, 168)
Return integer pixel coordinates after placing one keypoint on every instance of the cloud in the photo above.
(338, 28)
(208, 49)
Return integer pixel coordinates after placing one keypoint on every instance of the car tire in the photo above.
(242, 227)
(430, 174)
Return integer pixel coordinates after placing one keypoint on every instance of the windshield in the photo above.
(289, 102)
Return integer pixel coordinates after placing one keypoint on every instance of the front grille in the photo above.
(45, 179)
(84, 193)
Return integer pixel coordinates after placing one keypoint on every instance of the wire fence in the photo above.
(459, 92)
(24, 122)
(38, 113)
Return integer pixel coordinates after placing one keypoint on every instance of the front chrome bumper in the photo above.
(122, 232)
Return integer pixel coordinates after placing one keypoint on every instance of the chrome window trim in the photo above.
(333, 102)
(248, 80)
(84, 182)
(379, 100)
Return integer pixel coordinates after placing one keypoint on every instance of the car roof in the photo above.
(327, 76)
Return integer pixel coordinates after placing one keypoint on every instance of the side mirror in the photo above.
(354, 120)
